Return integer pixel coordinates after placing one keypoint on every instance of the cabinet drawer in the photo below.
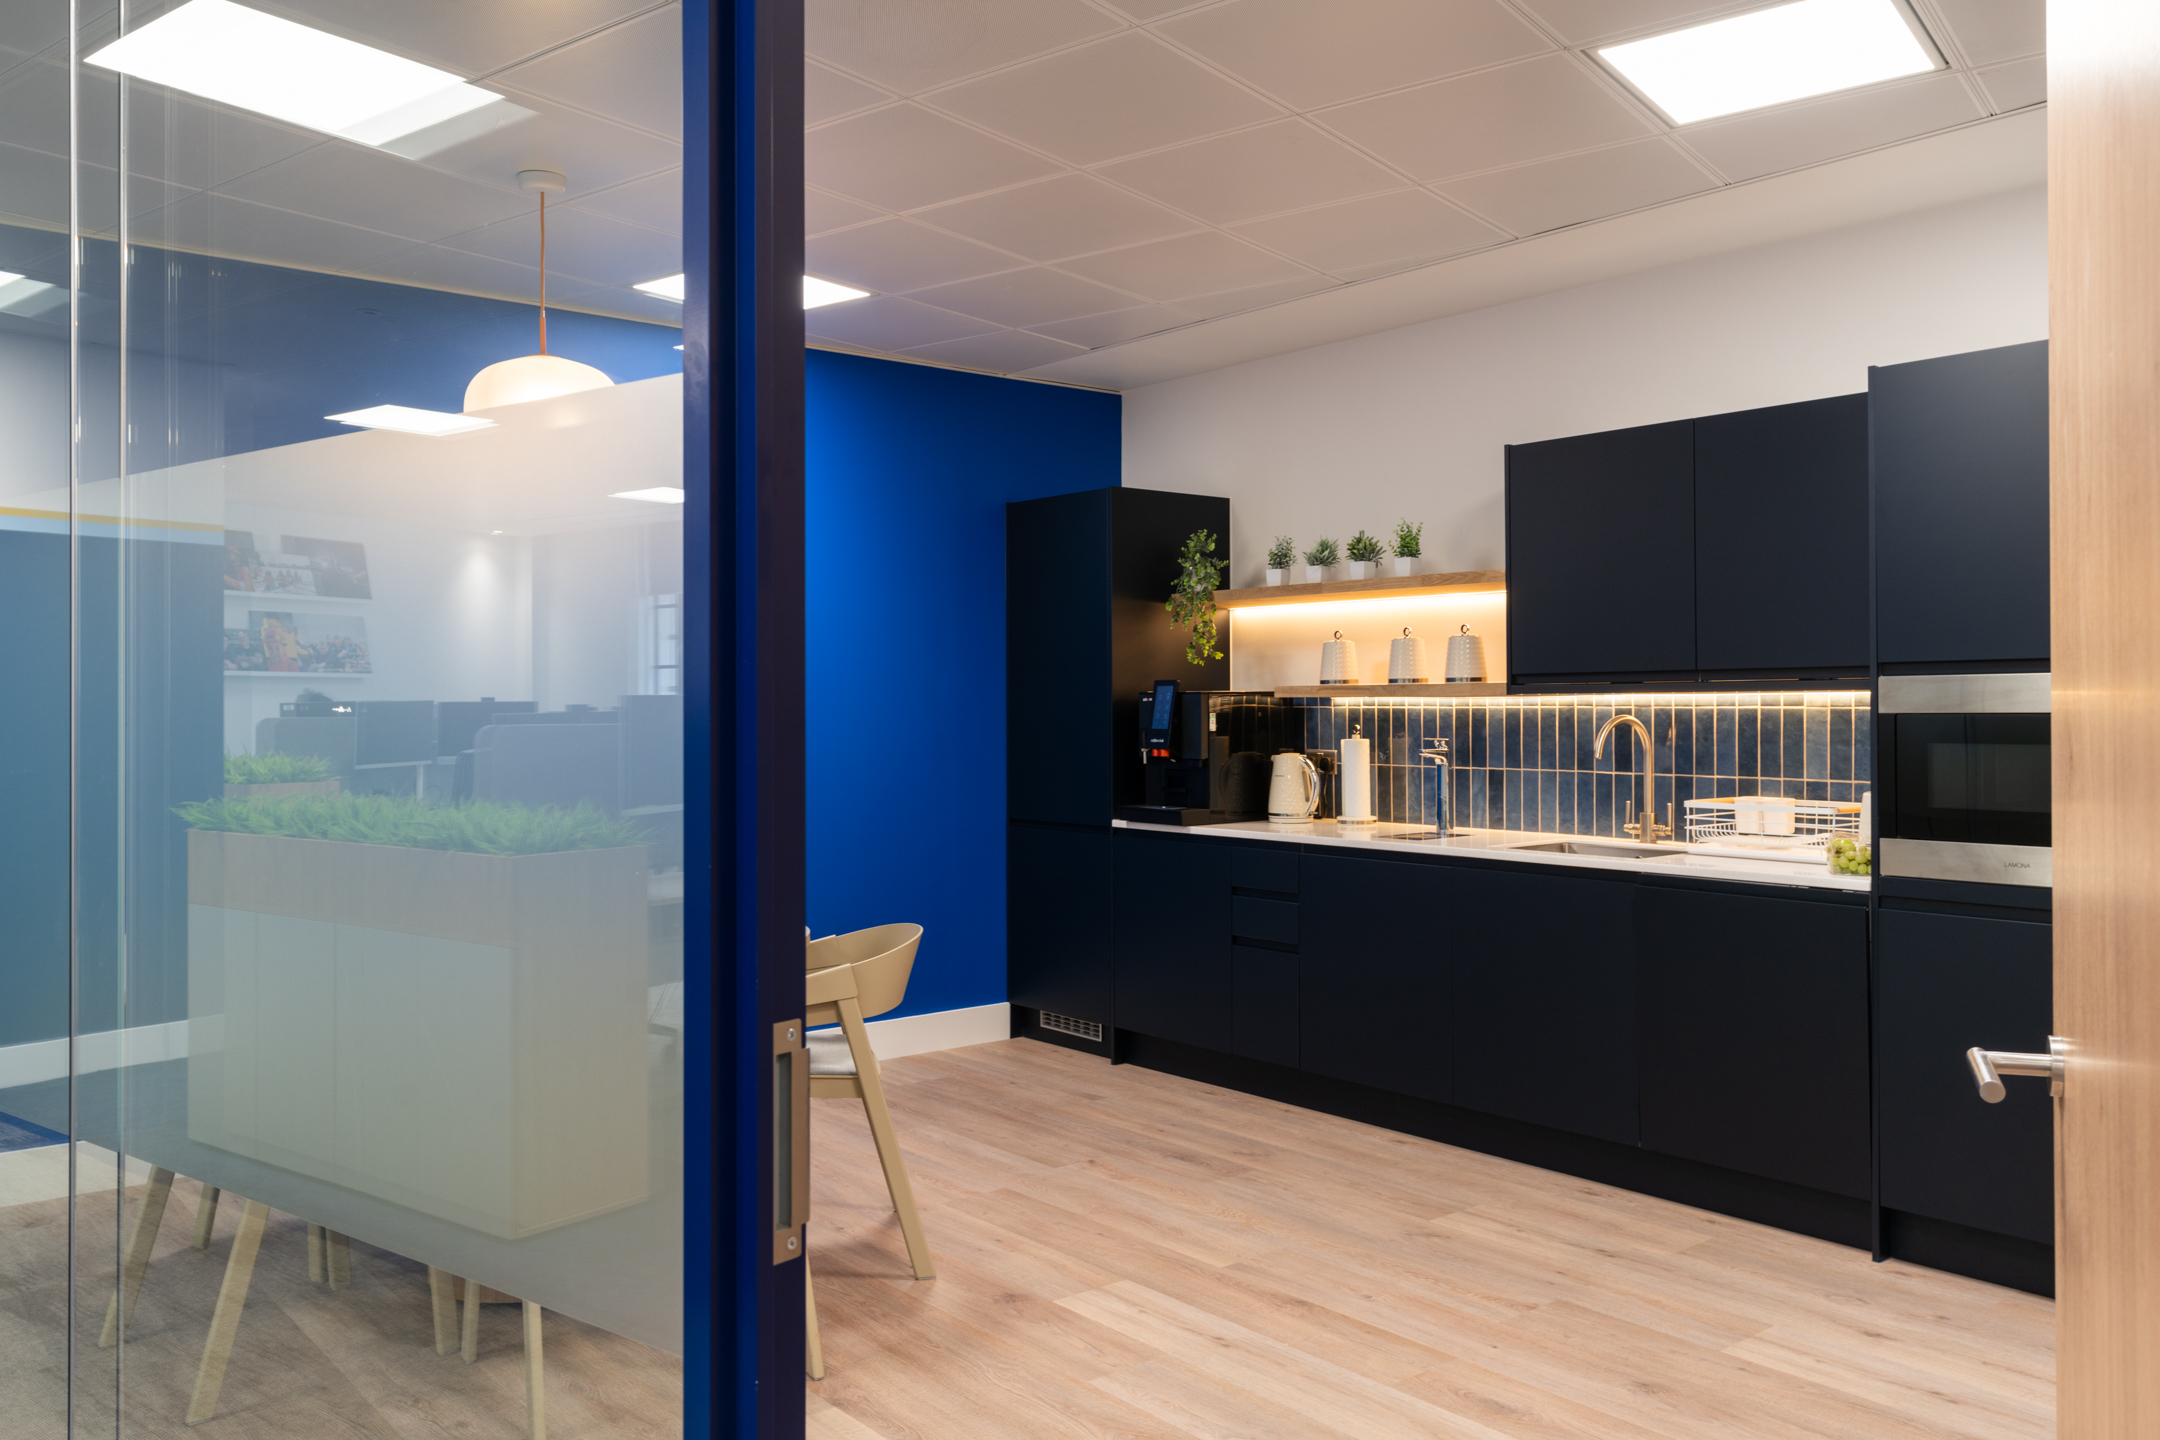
(1265, 867)
(1274, 920)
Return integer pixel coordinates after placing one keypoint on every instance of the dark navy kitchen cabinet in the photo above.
(1960, 461)
(1755, 1034)
(1374, 1000)
(1542, 1015)
(1171, 938)
(1601, 555)
(1947, 982)
(1781, 544)
(1057, 924)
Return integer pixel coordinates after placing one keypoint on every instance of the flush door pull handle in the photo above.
(1989, 1066)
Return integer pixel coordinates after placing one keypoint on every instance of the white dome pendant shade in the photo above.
(542, 376)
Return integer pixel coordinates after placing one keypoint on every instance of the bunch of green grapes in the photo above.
(1850, 857)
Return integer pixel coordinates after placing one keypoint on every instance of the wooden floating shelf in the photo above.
(1387, 587)
(1465, 690)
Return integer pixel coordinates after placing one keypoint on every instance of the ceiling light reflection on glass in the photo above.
(1769, 57)
(411, 421)
(659, 495)
(242, 57)
(20, 295)
(668, 288)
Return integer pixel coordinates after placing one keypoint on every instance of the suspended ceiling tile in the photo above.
(1991, 30)
(1145, 10)
(630, 72)
(827, 94)
(1066, 215)
(1285, 166)
(1747, 146)
(593, 153)
(470, 37)
(619, 300)
(438, 268)
(1252, 297)
(363, 186)
(1404, 228)
(1581, 21)
(1003, 352)
(887, 322)
(216, 224)
(911, 45)
(1091, 331)
(1575, 188)
(1188, 265)
(1115, 97)
(822, 212)
(2017, 84)
(903, 158)
(1311, 55)
(34, 188)
(581, 244)
(1025, 297)
(1508, 116)
(894, 255)
(654, 202)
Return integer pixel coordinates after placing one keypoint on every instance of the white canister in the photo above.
(1406, 660)
(1354, 782)
(1465, 658)
(1338, 661)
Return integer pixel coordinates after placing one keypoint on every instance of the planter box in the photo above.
(463, 1035)
(280, 792)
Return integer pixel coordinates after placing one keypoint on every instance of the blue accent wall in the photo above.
(909, 472)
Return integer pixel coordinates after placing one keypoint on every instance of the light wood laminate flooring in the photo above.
(1123, 1253)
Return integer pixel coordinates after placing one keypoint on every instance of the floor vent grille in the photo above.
(1067, 1025)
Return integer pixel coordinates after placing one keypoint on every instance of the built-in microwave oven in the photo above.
(1963, 790)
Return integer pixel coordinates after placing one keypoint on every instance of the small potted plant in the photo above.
(1365, 556)
(1192, 596)
(1409, 545)
(1317, 560)
(1280, 557)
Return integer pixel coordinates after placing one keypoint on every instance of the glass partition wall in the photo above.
(340, 906)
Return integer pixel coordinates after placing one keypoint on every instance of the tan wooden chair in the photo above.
(851, 978)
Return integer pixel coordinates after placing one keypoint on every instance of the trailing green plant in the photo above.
(1323, 554)
(1409, 539)
(476, 826)
(1282, 554)
(1365, 550)
(274, 769)
(1192, 596)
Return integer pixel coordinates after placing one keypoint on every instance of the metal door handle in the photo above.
(1989, 1066)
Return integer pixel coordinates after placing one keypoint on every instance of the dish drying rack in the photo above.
(1767, 822)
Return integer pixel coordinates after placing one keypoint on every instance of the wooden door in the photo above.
(2104, 377)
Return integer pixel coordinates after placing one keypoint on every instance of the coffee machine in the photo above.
(1204, 755)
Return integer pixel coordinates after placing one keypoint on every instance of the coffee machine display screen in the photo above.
(1160, 712)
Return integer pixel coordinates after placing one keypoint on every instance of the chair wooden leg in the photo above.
(205, 1216)
(535, 1377)
(225, 1320)
(316, 1268)
(337, 1259)
(445, 1305)
(120, 1310)
(469, 1349)
(813, 1343)
(888, 1143)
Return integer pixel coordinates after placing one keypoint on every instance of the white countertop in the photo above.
(1687, 860)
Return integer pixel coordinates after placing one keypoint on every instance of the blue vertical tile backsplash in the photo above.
(1524, 762)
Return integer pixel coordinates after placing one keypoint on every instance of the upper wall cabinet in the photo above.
(1961, 510)
(1601, 555)
(1781, 580)
(1732, 547)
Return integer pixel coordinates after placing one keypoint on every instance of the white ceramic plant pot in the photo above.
(1363, 569)
(1314, 574)
(1406, 564)
(1274, 576)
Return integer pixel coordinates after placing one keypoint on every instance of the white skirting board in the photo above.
(939, 1030)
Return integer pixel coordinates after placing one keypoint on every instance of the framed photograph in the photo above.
(336, 569)
(340, 566)
(277, 642)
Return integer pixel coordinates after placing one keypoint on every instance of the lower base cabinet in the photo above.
(1373, 989)
(1057, 929)
(1755, 1034)
(1170, 938)
(1264, 1004)
(1945, 983)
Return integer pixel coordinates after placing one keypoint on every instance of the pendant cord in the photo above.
(543, 272)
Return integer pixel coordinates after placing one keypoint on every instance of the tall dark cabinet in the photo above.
(1086, 576)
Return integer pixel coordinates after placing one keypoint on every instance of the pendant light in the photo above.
(542, 376)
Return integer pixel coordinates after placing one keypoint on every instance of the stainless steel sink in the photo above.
(1600, 851)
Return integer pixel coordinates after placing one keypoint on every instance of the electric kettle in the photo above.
(1293, 790)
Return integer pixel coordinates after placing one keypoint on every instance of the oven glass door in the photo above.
(1981, 779)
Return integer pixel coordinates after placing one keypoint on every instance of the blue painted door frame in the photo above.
(743, 698)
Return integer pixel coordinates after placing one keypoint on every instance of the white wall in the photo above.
(1411, 422)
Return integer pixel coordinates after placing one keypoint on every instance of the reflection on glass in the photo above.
(347, 1034)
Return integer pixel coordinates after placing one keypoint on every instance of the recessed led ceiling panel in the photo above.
(816, 292)
(671, 287)
(659, 495)
(411, 421)
(242, 57)
(1769, 57)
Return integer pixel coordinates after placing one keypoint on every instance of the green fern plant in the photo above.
(1192, 596)
(475, 827)
(274, 769)
(1323, 554)
(1364, 549)
(1409, 539)
(1282, 554)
